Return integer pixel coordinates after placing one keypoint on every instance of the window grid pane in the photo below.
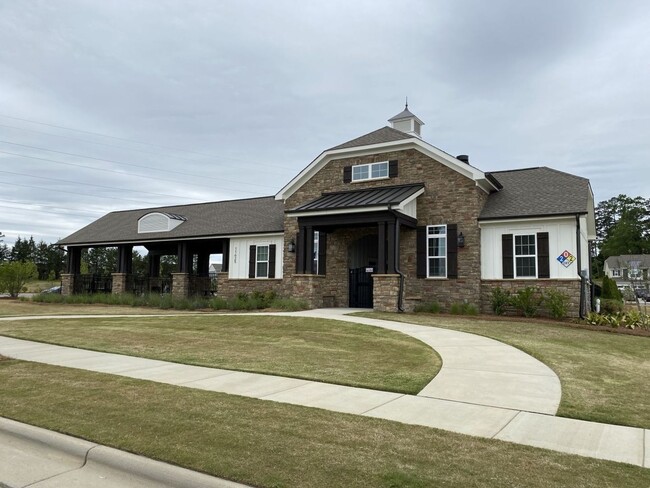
(437, 251)
(525, 257)
(262, 265)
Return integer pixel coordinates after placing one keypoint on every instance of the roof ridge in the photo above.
(192, 204)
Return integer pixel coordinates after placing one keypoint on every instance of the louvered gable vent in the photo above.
(159, 222)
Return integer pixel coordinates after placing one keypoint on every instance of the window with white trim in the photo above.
(315, 252)
(262, 262)
(372, 171)
(437, 251)
(616, 273)
(525, 256)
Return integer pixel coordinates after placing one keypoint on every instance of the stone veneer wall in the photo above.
(230, 288)
(569, 287)
(180, 285)
(309, 288)
(67, 283)
(120, 283)
(385, 291)
(449, 198)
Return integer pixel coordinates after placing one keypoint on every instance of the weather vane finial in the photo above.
(407, 103)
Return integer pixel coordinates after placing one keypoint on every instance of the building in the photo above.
(629, 270)
(384, 221)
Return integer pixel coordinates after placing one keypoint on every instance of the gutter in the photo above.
(583, 280)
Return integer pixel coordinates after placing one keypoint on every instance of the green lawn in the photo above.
(604, 375)
(14, 307)
(317, 349)
(270, 444)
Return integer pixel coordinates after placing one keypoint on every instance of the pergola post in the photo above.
(124, 269)
(69, 279)
(181, 279)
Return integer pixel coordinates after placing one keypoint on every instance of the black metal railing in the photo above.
(92, 283)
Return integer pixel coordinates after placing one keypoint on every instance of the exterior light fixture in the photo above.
(461, 240)
(292, 246)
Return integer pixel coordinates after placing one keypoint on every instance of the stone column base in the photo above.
(120, 283)
(385, 292)
(180, 285)
(67, 283)
(309, 288)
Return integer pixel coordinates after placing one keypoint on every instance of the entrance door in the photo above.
(361, 287)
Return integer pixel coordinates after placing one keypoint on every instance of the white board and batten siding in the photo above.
(561, 237)
(240, 250)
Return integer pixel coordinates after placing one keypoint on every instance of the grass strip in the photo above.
(269, 444)
(308, 348)
(604, 376)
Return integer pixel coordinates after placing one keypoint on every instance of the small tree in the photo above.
(610, 290)
(14, 276)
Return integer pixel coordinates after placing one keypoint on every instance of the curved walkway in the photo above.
(485, 388)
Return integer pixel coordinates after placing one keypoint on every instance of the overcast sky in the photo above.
(129, 104)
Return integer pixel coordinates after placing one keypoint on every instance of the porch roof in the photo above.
(382, 197)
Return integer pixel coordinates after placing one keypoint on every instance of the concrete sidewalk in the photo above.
(40, 458)
(485, 388)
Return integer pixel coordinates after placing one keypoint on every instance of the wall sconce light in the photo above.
(292, 246)
(461, 240)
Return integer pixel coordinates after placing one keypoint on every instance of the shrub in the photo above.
(610, 290)
(527, 301)
(429, 307)
(463, 309)
(14, 276)
(611, 306)
(499, 300)
(629, 320)
(557, 303)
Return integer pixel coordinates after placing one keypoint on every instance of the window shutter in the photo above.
(252, 261)
(507, 255)
(322, 253)
(421, 252)
(392, 168)
(543, 261)
(452, 251)
(347, 174)
(272, 261)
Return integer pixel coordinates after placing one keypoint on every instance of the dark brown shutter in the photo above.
(322, 253)
(543, 264)
(392, 168)
(347, 174)
(421, 251)
(452, 251)
(506, 256)
(272, 261)
(252, 261)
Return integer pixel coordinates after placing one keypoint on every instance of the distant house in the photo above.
(384, 221)
(631, 270)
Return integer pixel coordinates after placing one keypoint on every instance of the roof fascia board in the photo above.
(142, 242)
(508, 220)
(408, 200)
(412, 143)
(341, 211)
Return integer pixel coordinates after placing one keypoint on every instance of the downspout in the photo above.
(579, 261)
(400, 298)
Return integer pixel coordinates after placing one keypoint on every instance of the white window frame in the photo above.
(258, 260)
(442, 258)
(316, 243)
(370, 167)
(616, 272)
(515, 256)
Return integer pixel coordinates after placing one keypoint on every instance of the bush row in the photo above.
(528, 301)
(243, 301)
(454, 309)
(628, 320)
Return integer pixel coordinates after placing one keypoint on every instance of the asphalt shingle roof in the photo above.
(535, 192)
(379, 136)
(623, 261)
(254, 215)
(369, 197)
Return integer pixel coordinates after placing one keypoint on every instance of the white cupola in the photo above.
(405, 121)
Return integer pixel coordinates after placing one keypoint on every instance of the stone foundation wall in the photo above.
(385, 291)
(120, 283)
(310, 289)
(230, 288)
(67, 283)
(571, 288)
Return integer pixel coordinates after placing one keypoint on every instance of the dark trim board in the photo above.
(330, 222)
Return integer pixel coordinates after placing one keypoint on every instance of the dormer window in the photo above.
(159, 222)
(372, 171)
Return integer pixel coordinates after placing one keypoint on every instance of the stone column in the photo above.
(67, 283)
(385, 292)
(120, 283)
(180, 285)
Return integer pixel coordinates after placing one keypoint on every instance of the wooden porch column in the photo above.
(225, 253)
(154, 265)
(184, 258)
(125, 259)
(390, 247)
(381, 248)
(203, 263)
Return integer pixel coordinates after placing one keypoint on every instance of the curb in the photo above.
(96, 457)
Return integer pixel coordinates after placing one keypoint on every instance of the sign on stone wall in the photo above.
(566, 259)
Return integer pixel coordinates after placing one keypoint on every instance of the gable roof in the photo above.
(213, 219)
(535, 192)
(623, 261)
(367, 197)
(385, 134)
